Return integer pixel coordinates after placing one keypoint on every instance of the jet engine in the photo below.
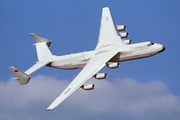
(121, 27)
(127, 42)
(87, 86)
(113, 64)
(100, 75)
(124, 34)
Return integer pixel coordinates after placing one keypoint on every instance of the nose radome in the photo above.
(163, 48)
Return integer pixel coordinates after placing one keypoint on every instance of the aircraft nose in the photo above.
(163, 48)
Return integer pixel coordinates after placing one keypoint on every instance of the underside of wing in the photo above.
(108, 33)
(94, 65)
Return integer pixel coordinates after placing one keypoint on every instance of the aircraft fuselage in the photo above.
(127, 52)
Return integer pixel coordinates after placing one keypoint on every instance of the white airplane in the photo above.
(110, 50)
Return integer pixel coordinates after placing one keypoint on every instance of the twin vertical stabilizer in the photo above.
(22, 77)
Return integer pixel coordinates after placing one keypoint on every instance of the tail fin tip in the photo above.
(40, 39)
(22, 77)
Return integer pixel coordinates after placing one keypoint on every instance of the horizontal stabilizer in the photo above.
(37, 66)
(22, 77)
(40, 39)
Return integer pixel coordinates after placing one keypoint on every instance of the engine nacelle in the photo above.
(121, 27)
(127, 42)
(124, 34)
(113, 64)
(87, 86)
(100, 75)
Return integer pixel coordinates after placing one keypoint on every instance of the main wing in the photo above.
(94, 65)
(108, 33)
(107, 47)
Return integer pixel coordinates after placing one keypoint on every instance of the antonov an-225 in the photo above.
(110, 50)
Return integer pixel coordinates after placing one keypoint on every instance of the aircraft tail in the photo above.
(22, 77)
(42, 46)
(44, 57)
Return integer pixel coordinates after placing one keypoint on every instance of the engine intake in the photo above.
(124, 34)
(88, 86)
(113, 65)
(121, 27)
(127, 42)
(100, 75)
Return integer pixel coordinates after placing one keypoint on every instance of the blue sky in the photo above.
(73, 27)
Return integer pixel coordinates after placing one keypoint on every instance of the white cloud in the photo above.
(39, 89)
(120, 98)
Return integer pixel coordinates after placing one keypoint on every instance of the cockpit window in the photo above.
(151, 43)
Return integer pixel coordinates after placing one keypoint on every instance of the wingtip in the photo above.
(105, 7)
(31, 33)
(48, 109)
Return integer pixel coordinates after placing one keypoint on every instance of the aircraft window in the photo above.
(151, 43)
